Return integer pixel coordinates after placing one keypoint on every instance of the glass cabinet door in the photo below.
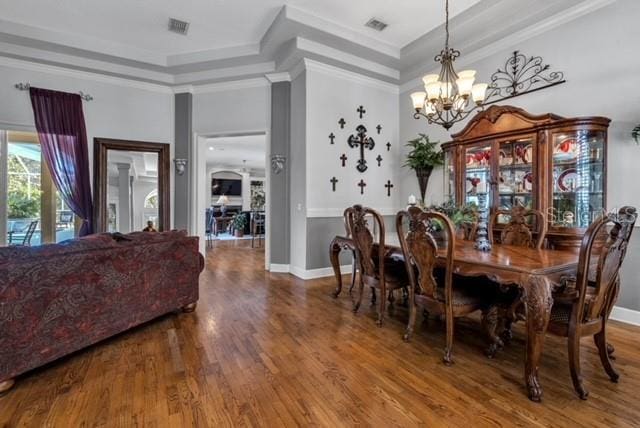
(578, 178)
(477, 174)
(515, 174)
(449, 176)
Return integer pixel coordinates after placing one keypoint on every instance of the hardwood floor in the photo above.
(272, 350)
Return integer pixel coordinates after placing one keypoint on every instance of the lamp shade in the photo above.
(223, 200)
(417, 98)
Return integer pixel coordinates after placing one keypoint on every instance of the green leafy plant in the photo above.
(459, 215)
(424, 154)
(636, 134)
(239, 221)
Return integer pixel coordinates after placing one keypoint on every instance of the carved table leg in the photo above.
(538, 302)
(6, 385)
(334, 253)
(190, 307)
(353, 271)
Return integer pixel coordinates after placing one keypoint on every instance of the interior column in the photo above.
(124, 198)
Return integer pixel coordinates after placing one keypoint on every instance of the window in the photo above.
(34, 213)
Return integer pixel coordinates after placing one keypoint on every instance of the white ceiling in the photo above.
(229, 152)
(232, 40)
(217, 24)
(142, 165)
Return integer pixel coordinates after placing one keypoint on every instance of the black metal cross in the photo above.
(332, 137)
(343, 158)
(388, 146)
(333, 183)
(379, 159)
(388, 186)
(342, 123)
(379, 128)
(361, 110)
(362, 185)
(364, 142)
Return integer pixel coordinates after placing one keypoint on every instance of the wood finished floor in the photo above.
(272, 350)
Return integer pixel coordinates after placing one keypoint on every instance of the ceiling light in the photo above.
(449, 97)
(211, 148)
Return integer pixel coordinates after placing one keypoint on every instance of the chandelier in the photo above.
(450, 97)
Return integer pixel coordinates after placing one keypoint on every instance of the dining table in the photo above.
(537, 272)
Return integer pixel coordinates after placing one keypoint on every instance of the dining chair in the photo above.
(420, 250)
(376, 270)
(524, 228)
(583, 305)
(257, 227)
(517, 231)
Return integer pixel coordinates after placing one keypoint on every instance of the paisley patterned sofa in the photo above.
(59, 298)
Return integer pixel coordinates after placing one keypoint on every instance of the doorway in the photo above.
(231, 191)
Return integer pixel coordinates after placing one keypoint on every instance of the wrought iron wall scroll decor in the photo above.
(521, 75)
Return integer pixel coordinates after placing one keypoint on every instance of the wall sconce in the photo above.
(181, 166)
(277, 163)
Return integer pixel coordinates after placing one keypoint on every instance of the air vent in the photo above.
(177, 26)
(376, 24)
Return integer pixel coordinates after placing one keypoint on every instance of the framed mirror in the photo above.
(131, 185)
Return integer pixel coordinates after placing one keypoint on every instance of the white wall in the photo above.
(297, 174)
(599, 55)
(331, 94)
(121, 109)
(231, 107)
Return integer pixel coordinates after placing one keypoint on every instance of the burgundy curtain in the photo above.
(63, 138)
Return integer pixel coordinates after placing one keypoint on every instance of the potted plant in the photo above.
(239, 222)
(463, 217)
(423, 157)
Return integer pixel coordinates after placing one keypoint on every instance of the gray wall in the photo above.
(320, 232)
(630, 291)
(183, 132)
(279, 183)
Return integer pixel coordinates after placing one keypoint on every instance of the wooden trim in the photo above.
(100, 148)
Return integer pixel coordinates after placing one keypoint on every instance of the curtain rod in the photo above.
(25, 87)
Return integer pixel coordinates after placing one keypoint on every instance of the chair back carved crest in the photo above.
(607, 261)
(358, 227)
(517, 231)
(420, 249)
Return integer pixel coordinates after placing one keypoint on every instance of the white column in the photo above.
(124, 198)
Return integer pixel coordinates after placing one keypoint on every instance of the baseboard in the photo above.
(625, 315)
(278, 268)
(318, 273)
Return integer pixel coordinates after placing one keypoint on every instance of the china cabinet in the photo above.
(545, 162)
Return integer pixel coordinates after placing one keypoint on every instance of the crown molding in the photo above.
(297, 69)
(306, 18)
(278, 77)
(231, 86)
(331, 70)
(504, 43)
(86, 75)
(213, 54)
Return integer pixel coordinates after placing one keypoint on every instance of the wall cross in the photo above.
(333, 183)
(379, 159)
(361, 110)
(388, 186)
(332, 137)
(343, 158)
(364, 142)
(362, 185)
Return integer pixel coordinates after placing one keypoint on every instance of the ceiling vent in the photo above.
(376, 24)
(177, 26)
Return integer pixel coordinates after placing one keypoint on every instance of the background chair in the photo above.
(376, 270)
(518, 231)
(583, 307)
(257, 227)
(420, 250)
(26, 238)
